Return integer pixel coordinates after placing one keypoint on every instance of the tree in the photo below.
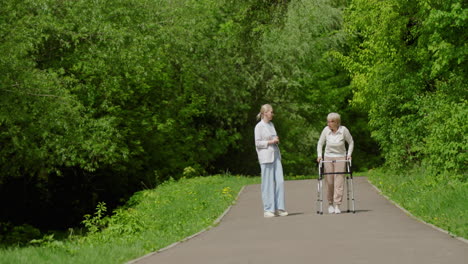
(408, 61)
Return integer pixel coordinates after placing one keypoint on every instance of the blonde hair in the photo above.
(334, 117)
(263, 109)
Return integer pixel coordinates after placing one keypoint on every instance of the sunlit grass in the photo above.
(441, 201)
(152, 219)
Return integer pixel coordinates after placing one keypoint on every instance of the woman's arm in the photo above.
(350, 141)
(320, 143)
(259, 141)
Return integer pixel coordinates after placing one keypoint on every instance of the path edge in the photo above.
(216, 222)
(415, 217)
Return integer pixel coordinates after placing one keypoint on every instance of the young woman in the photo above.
(269, 157)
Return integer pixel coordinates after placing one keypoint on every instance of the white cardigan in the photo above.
(264, 132)
(335, 143)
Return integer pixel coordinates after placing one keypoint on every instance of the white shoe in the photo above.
(268, 214)
(331, 210)
(337, 210)
(281, 213)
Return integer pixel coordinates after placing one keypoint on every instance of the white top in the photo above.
(335, 142)
(265, 132)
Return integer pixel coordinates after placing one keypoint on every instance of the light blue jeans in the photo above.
(272, 185)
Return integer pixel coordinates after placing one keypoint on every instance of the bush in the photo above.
(17, 235)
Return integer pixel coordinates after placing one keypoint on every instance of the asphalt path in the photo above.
(378, 233)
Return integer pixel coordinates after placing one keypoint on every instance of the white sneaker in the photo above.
(268, 214)
(281, 213)
(337, 209)
(331, 210)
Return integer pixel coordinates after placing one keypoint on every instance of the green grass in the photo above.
(151, 220)
(441, 201)
(299, 177)
(154, 219)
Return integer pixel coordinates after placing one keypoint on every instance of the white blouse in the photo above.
(335, 142)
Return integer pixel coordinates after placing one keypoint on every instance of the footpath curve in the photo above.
(379, 233)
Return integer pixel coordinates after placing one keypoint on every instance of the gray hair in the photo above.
(334, 117)
(263, 109)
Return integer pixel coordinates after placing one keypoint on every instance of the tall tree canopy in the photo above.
(408, 66)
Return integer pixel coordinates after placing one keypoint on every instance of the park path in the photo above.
(379, 233)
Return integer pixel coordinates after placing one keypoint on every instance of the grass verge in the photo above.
(151, 220)
(441, 201)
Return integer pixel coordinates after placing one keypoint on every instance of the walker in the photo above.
(349, 184)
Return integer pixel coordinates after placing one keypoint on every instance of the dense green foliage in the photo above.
(151, 220)
(97, 99)
(408, 65)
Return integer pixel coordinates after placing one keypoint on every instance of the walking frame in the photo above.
(349, 184)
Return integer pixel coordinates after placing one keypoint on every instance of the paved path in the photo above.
(378, 233)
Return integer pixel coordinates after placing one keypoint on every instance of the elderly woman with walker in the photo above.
(334, 136)
(269, 157)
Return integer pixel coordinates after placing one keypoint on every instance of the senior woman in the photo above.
(335, 135)
(269, 157)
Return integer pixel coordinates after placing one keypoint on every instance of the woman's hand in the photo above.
(319, 159)
(348, 157)
(275, 140)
